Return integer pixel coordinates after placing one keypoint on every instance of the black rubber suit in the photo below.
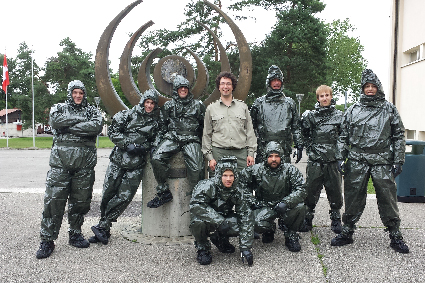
(125, 170)
(275, 118)
(321, 128)
(72, 161)
(212, 204)
(373, 140)
(181, 126)
(272, 186)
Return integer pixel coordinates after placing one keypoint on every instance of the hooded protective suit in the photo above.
(181, 126)
(212, 203)
(72, 161)
(372, 139)
(275, 118)
(284, 184)
(125, 170)
(320, 129)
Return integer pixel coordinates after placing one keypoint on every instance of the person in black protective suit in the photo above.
(372, 140)
(134, 133)
(279, 193)
(73, 157)
(275, 118)
(219, 210)
(320, 129)
(181, 126)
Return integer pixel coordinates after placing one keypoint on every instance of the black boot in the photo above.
(160, 199)
(307, 225)
(292, 242)
(398, 244)
(77, 240)
(344, 238)
(222, 243)
(45, 250)
(100, 235)
(267, 237)
(204, 257)
(336, 226)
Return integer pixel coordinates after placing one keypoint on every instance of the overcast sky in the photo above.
(42, 24)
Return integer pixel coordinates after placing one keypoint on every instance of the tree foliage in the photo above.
(345, 60)
(70, 64)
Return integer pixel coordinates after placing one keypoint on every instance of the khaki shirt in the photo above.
(228, 127)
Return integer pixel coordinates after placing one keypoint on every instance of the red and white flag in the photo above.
(5, 75)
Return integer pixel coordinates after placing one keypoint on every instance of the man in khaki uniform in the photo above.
(228, 129)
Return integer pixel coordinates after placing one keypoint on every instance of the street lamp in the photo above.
(299, 98)
(97, 101)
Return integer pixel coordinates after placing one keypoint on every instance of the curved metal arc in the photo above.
(128, 86)
(107, 92)
(245, 68)
(144, 77)
(202, 77)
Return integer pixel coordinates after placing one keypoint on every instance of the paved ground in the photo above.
(368, 259)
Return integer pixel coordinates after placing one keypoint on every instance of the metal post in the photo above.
(299, 98)
(32, 86)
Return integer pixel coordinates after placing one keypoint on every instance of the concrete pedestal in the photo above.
(171, 219)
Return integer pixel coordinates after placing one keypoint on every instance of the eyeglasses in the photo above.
(228, 84)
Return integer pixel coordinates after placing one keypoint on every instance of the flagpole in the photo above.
(32, 85)
(7, 124)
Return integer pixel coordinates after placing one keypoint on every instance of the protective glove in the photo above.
(341, 167)
(152, 151)
(224, 227)
(135, 149)
(255, 206)
(281, 208)
(299, 154)
(248, 256)
(397, 169)
(63, 130)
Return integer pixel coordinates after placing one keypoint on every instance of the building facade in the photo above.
(407, 74)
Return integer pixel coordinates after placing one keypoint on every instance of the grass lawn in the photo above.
(45, 142)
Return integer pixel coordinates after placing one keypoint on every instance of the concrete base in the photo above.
(171, 219)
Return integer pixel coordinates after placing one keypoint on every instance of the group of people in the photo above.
(252, 181)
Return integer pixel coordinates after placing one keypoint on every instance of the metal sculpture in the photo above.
(109, 96)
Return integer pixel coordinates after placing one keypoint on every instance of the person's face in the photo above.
(226, 86)
(324, 98)
(370, 89)
(182, 91)
(149, 105)
(276, 84)
(77, 95)
(228, 178)
(273, 160)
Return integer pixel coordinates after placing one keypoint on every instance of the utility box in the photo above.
(411, 181)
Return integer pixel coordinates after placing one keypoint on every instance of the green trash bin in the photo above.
(411, 181)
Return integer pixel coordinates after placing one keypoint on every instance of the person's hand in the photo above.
(135, 149)
(281, 208)
(397, 169)
(341, 167)
(212, 164)
(299, 154)
(250, 161)
(248, 256)
(224, 227)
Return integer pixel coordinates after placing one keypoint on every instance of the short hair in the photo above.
(226, 75)
(323, 88)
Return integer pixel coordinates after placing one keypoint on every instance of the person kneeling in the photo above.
(218, 210)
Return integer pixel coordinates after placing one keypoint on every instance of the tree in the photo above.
(297, 44)
(345, 60)
(70, 64)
